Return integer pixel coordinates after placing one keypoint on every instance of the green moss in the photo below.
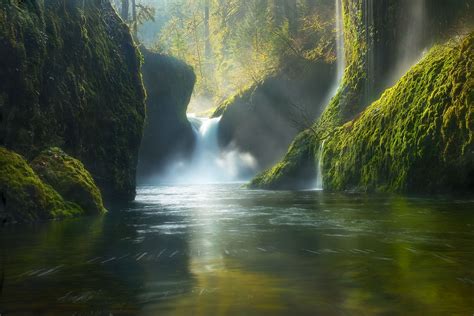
(418, 137)
(69, 177)
(25, 197)
(296, 170)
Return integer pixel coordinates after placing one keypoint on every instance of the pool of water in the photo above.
(225, 250)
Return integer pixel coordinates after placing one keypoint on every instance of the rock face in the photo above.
(24, 197)
(70, 78)
(70, 179)
(369, 38)
(168, 135)
(264, 119)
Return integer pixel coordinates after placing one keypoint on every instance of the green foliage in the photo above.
(25, 196)
(69, 177)
(143, 13)
(248, 40)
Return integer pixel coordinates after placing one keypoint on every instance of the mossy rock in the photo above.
(24, 197)
(70, 78)
(70, 178)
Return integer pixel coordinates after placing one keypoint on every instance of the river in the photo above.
(225, 250)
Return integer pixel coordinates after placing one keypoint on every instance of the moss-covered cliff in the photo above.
(418, 137)
(70, 78)
(168, 135)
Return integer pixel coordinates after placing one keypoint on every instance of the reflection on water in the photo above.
(220, 249)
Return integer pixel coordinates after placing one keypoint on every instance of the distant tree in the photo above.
(207, 51)
(134, 18)
(125, 10)
(233, 44)
(141, 13)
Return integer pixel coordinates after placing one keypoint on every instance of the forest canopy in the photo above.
(233, 44)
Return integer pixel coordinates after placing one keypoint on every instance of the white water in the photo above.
(341, 59)
(209, 163)
(319, 178)
(411, 48)
(341, 66)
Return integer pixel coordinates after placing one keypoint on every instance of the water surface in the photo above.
(224, 250)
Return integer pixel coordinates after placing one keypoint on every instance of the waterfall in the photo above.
(209, 163)
(319, 178)
(412, 42)
(341, 66)
(341, 59)
(369, 24)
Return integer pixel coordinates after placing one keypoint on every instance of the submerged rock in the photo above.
(25, 197)
(168, 135)
(69, 177)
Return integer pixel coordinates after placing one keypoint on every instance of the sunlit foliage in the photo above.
(233, 44)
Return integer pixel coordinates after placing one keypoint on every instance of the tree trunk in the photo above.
(207, 50)
(134, 19)
(278, 12)
(124, 11)
(291, 10)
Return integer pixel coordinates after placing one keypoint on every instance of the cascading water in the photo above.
(412, 44)
(319, 178)
(341, 60)
(341, 66)
(370, 55)
(209, 163)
